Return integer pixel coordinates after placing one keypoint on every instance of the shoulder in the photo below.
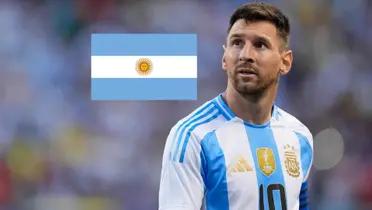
(235, 125)
(282, 118)
(229, 135)
(187, 134)
(204, 109)
(201, 121)
(303, 134)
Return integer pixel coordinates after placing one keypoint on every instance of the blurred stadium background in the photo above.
(60, 150)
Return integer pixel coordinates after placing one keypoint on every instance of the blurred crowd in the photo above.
(60, 150)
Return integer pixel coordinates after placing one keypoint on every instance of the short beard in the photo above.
(255, 91)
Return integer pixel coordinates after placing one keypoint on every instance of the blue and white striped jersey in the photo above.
(214, 160)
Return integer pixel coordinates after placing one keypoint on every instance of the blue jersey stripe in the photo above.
(186, 122)
(227, 117)
(306, 153)
(259, 138)
(304, 204)
(304, 186)
(214, 116)
(214, 173)
(187, 127)
(221, 107)
(226, 109)
(203, 165)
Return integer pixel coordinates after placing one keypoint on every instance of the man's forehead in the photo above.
(257, 28)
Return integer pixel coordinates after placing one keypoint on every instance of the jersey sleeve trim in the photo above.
(186, 126)
(207, 119)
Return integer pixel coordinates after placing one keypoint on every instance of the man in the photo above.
(239, 150)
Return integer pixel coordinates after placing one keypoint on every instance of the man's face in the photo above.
(253, 58)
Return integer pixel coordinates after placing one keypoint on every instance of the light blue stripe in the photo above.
(203, 166)
(221, 110)
(144, 44)
(225, 107)
(189, 133)
(189, 124)
(259, 137)
(144, 89)
(306, 153)
(185, 123)
(215, 174)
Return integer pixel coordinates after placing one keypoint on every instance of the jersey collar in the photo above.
(223, 107)
(229, 114)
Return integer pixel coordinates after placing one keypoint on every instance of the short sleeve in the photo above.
(181, 183)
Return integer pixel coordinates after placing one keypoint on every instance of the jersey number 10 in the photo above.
(270, 196)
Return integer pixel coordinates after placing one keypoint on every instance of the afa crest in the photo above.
(144, 66)
(291, 163)
(266, 160)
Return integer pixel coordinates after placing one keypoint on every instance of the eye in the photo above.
(260, 45)
(237, 42)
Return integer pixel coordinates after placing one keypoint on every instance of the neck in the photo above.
(253, 108)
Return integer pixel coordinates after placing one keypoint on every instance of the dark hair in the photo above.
(253, 12)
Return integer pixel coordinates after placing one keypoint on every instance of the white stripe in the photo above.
(162, 67)
(243, 188)
(292, 184)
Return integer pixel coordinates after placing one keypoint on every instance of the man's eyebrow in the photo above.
(257, 37)
(238, 35)
(262, 39)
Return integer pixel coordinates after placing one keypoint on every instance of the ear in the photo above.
(287, 58)
(223, 58)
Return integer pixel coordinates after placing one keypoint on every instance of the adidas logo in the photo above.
(239, 165)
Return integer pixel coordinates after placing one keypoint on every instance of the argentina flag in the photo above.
(144, 66)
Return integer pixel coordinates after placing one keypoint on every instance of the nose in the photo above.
(247, 54)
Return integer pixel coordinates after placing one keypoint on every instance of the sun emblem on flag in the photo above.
(144, 66)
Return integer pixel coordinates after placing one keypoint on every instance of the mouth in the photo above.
(247, 72)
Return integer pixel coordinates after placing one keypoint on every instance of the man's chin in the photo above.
(249, 90)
